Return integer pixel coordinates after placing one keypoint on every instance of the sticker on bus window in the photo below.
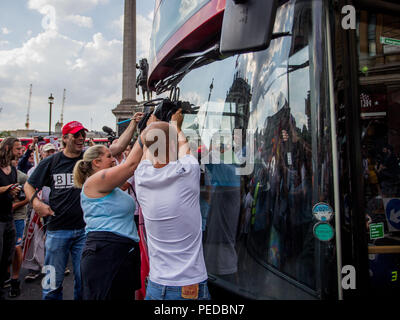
(392, 213)
(376, 230)
(323, 231)
(322, 211)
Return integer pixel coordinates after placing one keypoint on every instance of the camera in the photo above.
(21, 194)
(111, 135)
(165, 109)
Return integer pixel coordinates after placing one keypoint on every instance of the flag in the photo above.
(33, 252)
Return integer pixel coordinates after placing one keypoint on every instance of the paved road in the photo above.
(33, 290)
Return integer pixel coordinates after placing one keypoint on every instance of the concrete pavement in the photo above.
(33, 290)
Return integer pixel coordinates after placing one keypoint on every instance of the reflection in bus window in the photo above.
(380, 119)
(223, 216)
(171, 15)
(380, 141)
(262, 221)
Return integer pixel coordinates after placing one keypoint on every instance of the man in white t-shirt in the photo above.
(168, 190)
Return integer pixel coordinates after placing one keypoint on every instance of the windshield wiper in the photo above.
(197, 59)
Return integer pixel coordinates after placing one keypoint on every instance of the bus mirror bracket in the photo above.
(247, 25)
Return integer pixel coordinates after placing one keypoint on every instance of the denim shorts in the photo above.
(155, 291)
(19, 228)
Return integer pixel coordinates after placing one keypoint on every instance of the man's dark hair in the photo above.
(62, 141)
(6, 149)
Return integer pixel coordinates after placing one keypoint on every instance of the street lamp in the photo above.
(51, 100)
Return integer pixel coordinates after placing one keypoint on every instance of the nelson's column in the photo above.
(128, 103)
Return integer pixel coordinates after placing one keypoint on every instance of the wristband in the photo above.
(33, 197)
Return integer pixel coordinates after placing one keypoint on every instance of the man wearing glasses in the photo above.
(65, 225)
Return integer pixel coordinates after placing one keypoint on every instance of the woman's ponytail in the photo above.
(83, 168)
(80, 173)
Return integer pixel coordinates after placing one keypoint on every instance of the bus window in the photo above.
(258, 226)
(170, 16)
(379, 58)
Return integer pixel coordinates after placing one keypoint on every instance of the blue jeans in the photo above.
(19, 228)
(59, 244)
(155, 291)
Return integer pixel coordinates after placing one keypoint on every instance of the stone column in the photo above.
(128, 104)
(129, 54)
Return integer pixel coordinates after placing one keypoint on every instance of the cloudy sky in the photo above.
(71, 44)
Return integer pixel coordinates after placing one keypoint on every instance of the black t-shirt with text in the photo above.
(6, 199)
(64, 199)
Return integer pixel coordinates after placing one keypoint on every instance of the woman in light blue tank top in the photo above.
(116, 214)
(110, 263)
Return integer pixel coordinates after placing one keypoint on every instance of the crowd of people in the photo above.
(89, 203)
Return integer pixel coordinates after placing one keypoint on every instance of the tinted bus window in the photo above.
(170, 16)
(258, 224)
(378, 51)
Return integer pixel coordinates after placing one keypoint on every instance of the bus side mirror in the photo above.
(247, 25)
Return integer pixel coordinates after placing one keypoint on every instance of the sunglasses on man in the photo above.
(79, 133)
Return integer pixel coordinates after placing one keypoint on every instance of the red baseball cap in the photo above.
(73, 127)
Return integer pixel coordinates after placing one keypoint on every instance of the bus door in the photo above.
(368, 108)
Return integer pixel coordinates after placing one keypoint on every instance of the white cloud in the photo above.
(3, 43)
(79, 20)
(66, 7)
(143, 34)
(90, 71)
(118, 24)
(4, 30)
(57, 12)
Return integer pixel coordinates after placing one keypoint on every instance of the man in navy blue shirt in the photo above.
(65, 226)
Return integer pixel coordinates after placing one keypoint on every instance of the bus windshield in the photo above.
(170, 16)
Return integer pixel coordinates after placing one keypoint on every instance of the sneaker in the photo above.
(7, 284)
(15, 289)
(32, 276)
(67, 271)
